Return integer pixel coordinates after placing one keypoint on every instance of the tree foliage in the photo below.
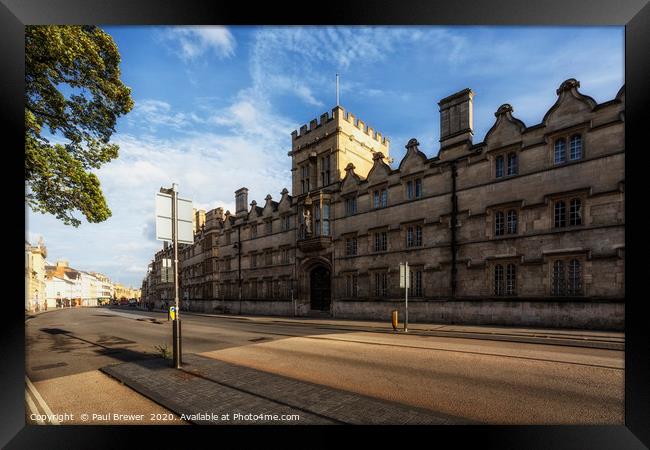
(73, 89)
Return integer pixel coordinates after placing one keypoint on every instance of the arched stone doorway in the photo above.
(320, 288)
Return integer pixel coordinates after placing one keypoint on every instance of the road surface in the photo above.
(488, 381)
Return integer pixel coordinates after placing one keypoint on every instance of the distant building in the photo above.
(35, 286)
(91, 288)
(65, 287)
(123, 292)
(105, 288)
(61, 292)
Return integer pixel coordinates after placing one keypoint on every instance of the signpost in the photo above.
(405, 282)
(174, 223)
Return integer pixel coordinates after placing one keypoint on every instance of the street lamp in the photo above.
(176, 323)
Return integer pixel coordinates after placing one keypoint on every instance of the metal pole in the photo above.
(176, 322)
(407, 280)
(239, 278)
(337, 89)
(454, 220)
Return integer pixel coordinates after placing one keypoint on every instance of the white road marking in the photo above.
(32, 409)
(128, 315)
(41, 402)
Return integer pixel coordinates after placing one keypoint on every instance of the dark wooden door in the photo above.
(320, 289)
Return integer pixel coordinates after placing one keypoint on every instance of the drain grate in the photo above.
(108, 351)
(49, 366)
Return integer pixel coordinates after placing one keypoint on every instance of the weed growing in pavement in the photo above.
(164, 351)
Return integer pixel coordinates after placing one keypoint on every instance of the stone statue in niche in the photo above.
(307, 216)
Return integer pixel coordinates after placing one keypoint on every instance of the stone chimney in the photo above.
(456, 119)
(199, 220)
(241, 201)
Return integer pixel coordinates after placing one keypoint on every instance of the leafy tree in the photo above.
(72, 87)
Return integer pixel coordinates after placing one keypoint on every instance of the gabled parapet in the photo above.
(270, 206)
(413, 157)
(506, 128)
(255, 211)
(351, 180)
(380, 169)
(285, 200)
(570, 103)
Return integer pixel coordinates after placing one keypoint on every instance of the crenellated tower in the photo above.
(321, 150)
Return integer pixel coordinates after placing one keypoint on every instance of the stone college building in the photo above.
(524, 228)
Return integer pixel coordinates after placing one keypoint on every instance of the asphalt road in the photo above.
(496, 382)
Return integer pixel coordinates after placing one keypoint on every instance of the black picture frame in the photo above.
(633, 14)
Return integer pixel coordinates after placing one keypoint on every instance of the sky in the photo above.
(215, 108)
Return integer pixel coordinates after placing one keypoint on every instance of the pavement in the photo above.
(91, 398)
(208, 391)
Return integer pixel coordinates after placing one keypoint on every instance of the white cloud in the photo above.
(190, 43)
(249, 150)
(151, 114)
(302, 61)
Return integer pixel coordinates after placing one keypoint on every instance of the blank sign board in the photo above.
(164, 219)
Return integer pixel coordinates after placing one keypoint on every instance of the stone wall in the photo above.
(556, 314)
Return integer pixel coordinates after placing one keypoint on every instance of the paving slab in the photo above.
(209, 391)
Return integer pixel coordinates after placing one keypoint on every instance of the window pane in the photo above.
(575, 212)
(575, 278)
(576, 147)
(512, 222)
(418, 188)
(416, 283)
(498, 224)
(512, 164)
(558, 284)
(560, 151)
(409, 190)
(560, 214)
(511, 277)
(498, 279)
(499, 166)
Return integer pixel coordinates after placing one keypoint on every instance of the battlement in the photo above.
(338, 118)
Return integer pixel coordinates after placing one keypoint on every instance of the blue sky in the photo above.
(215, 107)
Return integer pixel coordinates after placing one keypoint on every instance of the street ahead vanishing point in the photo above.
(174, 223)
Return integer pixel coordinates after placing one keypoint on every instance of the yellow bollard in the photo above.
(394, 319)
